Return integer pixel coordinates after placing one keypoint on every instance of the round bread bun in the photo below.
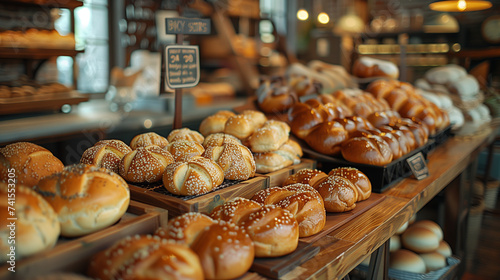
(236, 160)
(218, 139)
(339, 194)
(107, 154)
(184, 150)
(433, 261)
(358, 178)
(145, 164)
(146, 257)
(186, 228)
(444, 249)
(147, 139)
(86, 198)
(307, 176)
(215, 123)
(185, 134)
(394, 243)
(402, 228)
(225, 251)
(36, 227)
(235, 210)
(420, 239)
(431, 225)
(29, 161)
(269, 137)
(406, 260)
(371, 150)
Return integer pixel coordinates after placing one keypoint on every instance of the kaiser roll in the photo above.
(145, 164)
(106, 153)
(147, 139)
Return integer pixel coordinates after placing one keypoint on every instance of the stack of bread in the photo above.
(418, 247)
(267, 140)
(463, 89)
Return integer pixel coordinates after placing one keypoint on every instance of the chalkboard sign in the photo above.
(183, 68)
(187, 26)
(418, 166)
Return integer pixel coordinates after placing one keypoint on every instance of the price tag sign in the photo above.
(418, 166)
(182, 66)
(187, 26)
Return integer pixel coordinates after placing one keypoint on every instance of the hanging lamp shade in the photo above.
(460, 5)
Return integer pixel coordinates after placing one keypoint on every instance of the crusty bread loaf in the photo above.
(406, 260)
(185, 134)
(287, 154)
(236, 160)
(29, 161)
(147, 139)
(86, 198)
(327, 137)
(197, 176)
(146, 257)
(185, 228)
(358, 178)
(36, 228)
(215, 123)
(145, 164)
(269, 137)
(106, 153)
(367, 150)
(420, 239)
(235, 210)
(339, 194)
(184, 150)
(388, 137)
(307, 176)
(218, 139)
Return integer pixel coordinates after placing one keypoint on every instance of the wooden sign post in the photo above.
(183, 61)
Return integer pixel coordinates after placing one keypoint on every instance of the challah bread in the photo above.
(218, 139)
(404, 143)
(327, 137)
(146, 257)
(236, 160)
(215, 123)
(269, 137)
(184, 150)
(406, 260)
(197, 176)
(225, 251)
(304, 203)
(390, 139)
(274, 231)
(339, 194)
(302, 119)
(368, 67)
(29, 161)
(235, 210)
(186, 228)
(378, 119)
(287, 154)
(148, 139)
(107, 154)
(275, 95)
(307, 176)
(36, 228)
(354, 123)
(185, 134)
(367, 150)
(357, 178)
(86, 198)
(145, 164)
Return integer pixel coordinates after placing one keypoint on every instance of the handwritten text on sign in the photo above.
(183, 68)
(187, 26)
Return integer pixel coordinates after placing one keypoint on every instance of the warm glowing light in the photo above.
(460, 5)
(323, 18)
(148, 123)
(302, 14)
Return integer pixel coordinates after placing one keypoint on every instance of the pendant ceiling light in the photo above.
(460, 5)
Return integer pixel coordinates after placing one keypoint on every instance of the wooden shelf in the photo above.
(6, 52)
(69, 4)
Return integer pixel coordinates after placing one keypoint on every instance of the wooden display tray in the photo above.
(176, 205)
(336, 220)
(277, 178)
(42, 102)
(74, 254)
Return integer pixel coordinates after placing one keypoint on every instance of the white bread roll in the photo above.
(428, 224)
(420, 239)
(394, 243)
(402, 228)
(36, 227)
(86, 198)
(406, 260)
(444, 249)
(433, 261)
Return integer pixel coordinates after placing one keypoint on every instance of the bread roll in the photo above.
(240, 126)
(406, 260)
(327, 137)
(147, 139)
(302, 119)
(433, 261)
(36, 228)
(218, 139)
(368, 67)
(107, 154)
(235, 210)
(185, 134)
(225, 251)
(258, 118)
(236, 160)
(146, 257)
(275, 95)
(184, 150)
(357, 178)
(269, 137)
(367, 150)
(431, 225)
(215, 123)
(288, 154)
(339, 194)
(29, 161)
(197, 176)
(444, 249)
(145, 164)
(402, 228)
(394, 243)
(186, 228)
(379, 119)
(86, 198)
(274, 231)
(307, 176)
(420, 239)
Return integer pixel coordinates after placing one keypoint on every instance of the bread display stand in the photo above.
(277, 178)
(176, 205)
(43, 102)
(74, 254)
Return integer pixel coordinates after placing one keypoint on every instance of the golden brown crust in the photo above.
(235, 210)
(269, 137)
(184, 150)
(30, 162)
(367, 150)
(145, 164)
(186, 228)
(236, 160)
(86, 198)
(218, 139)
(147, 139)
(185, 134)
(305, 176)
(107, 154)
(358, 178)
(287, 155)
(339, 194)
(215, 123)
(274, 96)
(327, 137)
